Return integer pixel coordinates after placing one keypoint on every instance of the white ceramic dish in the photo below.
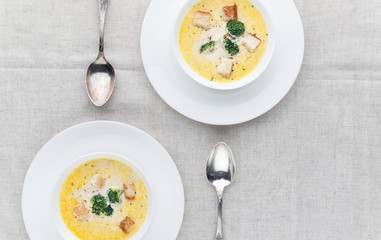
(187, 5)
(91, 140)
(208, 105)
(62, 229)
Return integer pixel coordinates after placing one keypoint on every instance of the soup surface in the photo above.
(206, 64)
(93, 200)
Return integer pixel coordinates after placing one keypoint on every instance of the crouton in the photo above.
(80, 211)
(129, 190)
(202, 19)
(229, 12)
(251, 42)
(226, 67)
(98, 180)
(127, 224)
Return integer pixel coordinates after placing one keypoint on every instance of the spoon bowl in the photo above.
(220, 167)
(100, 81)
(220, 172)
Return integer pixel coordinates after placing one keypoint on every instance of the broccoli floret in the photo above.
(231, 47)
(114, 196)
(99, 200)
(100, 206)
(96, 210)
(99, 203)
(235, 28)
(208, 46)
(107, 210)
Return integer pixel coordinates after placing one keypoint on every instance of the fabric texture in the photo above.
(309, 169)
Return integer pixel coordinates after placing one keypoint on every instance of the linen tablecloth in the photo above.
(308, 169)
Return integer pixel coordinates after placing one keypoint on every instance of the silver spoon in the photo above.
(220, 171)
(100, 78)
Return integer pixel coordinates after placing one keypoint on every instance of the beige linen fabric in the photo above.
(310, 169)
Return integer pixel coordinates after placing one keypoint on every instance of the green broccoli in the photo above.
(107, 210)
(231, 47)
(235, 28)
(208, 46)
(99, 203)
(114, 195)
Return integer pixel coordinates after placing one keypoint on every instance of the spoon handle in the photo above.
(219, 217)
(102, 17)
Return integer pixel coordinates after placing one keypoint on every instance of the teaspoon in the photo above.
(100, 78)
(220, 172)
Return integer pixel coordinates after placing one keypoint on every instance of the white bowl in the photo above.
(61, 227)
(230, 85)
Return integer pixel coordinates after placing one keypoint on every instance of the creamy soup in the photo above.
(223, 40)
(103, 199)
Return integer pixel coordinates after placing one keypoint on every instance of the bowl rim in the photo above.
(251, 77)
(55, 210)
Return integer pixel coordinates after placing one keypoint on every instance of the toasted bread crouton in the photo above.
(229, 12)
(202, 19)
(127, 224)
(98, 181)
(251, 42)
(80, 211)
(226, 67)
(129, 190)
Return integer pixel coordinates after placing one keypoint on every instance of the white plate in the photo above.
(103, 138)
(213, 106)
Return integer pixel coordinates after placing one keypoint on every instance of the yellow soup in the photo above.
(193, 37)
(80, 187)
